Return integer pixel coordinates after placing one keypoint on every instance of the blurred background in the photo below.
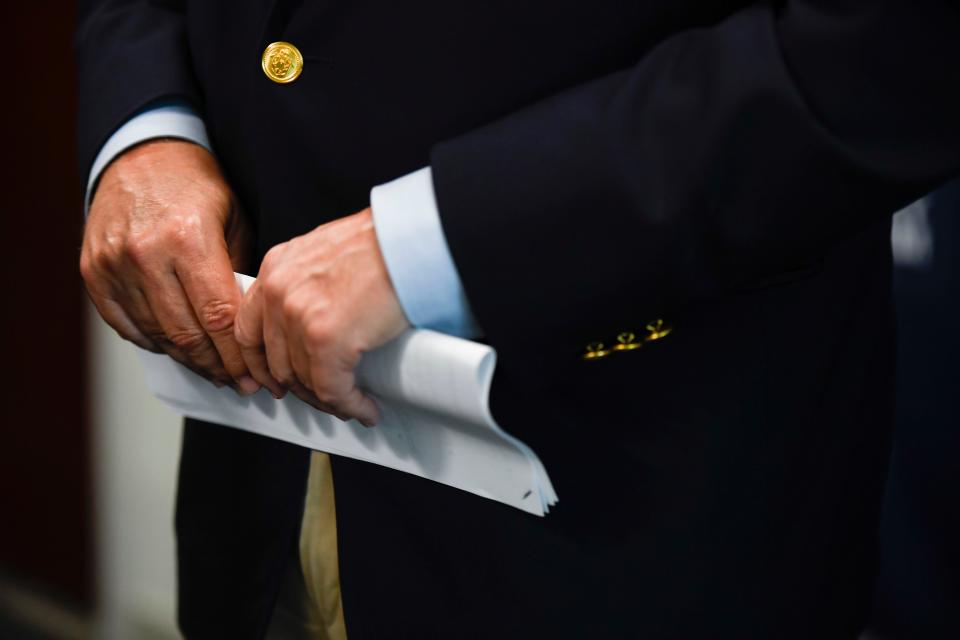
(88, 458)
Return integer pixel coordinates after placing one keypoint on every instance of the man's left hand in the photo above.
(320, 301)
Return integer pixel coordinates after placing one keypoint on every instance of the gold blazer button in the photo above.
(657, 330)
(595, 351)
(282, 62)
(627, 341)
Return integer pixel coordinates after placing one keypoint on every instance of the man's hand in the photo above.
(320, 301)
(162, 240)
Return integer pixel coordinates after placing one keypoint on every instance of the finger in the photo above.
(212, 290)
(134, 301)
(275, 343)
(256, 360)
(300, 361)
(248, 332)
(135, 304)
(336, 386)
(299, 347)
(138, 308)
(308, 396)
(169, 305)
(115, 316)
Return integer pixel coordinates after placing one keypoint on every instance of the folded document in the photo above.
(432, 390)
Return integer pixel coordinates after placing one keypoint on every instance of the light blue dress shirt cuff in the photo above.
(407, 223)
(169, 120)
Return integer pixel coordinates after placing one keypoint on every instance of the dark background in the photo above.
(45, 481)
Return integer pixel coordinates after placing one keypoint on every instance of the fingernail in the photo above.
(248, 385)
(279, 395)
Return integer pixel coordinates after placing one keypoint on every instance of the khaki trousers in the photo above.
(309, 606)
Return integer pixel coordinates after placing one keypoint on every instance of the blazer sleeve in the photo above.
(129, 53)
(726, 155)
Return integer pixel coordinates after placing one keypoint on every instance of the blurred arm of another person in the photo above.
(163, 237)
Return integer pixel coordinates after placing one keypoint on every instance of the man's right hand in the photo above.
(163, 238)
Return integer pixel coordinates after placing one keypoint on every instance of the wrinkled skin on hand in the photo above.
(162, 240)
(320, 301)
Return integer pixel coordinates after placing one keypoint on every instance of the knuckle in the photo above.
(292, 307)
(319, 334)
(243, 337)
(274, 288)
(157, 337)
(270, 258)
(140, 250)
(183, 232)
(119, 329)
(327, 397)
(217, 315)
(87, 272)
(99, 261)
(188, 340)
(285, 378)
(271, 294)
(180, 228)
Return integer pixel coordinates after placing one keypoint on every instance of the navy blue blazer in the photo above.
(727, 166)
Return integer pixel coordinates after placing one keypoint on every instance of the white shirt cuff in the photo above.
(167, 121)
(407, 223)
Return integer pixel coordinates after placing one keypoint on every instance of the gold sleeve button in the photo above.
(282, 62)
(627, 341)
(657, 330)
(595, 351)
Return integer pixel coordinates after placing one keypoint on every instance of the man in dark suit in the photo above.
(710, 182)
